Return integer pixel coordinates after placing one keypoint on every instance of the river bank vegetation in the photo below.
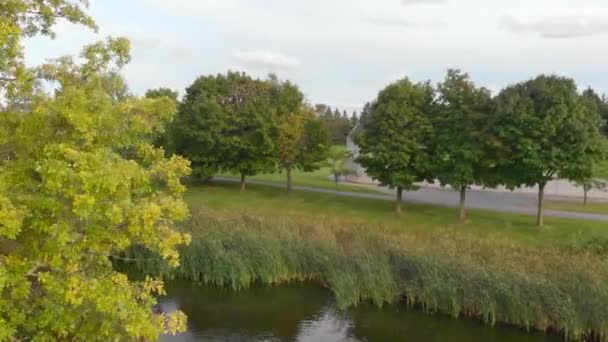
(553, 281)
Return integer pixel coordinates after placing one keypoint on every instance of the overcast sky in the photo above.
(342, 52)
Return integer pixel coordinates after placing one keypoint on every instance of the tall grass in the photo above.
(450, 272)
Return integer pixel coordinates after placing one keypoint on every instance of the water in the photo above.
(306, 313)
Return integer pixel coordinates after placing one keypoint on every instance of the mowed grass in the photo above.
(272, 202)
(593, 207)
(316, 179)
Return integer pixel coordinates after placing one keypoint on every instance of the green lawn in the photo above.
(318, 179)
(591, 207)
(268, 201)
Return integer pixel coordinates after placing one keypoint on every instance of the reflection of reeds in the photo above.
(452, 272)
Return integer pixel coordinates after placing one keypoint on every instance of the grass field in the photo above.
(318, 179)
(591, 207)
(268, 201)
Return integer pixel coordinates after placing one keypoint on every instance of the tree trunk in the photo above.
(541, 199)
(288, 172)
(336, 179)
(463, 194)
(586, 190)
(242, 182)
(399, 199)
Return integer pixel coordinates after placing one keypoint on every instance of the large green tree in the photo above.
(225, 124)
(300, 139)
(394, 143)
(79, 183)
(544, 130)
(460, 133)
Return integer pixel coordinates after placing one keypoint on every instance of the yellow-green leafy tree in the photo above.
(80, 181)
(301, 141)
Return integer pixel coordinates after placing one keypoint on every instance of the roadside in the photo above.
(485, 200)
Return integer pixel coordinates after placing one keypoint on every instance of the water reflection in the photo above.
(308, 314)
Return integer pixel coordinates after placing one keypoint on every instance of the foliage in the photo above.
(543, 129)
(160, 92)
(79, 182)
(27, 18)
(393, 144)
(336, 162)
(300, 140)
(447, 271)
(460, 133)
(225, 124)
(338, 124)
(164, 139)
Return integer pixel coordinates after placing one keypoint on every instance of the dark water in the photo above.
(307, 313)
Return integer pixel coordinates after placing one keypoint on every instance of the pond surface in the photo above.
(306, 313)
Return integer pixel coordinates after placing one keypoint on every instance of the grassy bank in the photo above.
(513, 273)
(267, 202)
(594, 207)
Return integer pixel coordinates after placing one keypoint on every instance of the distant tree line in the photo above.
(338, 123)
(458, 134)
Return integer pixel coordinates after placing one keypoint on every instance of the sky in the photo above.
(343, 52)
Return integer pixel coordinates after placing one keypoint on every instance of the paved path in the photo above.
(494, 201)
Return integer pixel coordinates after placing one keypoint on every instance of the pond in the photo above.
(307, 313)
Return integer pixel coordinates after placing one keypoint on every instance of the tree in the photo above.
(354, 119)
(26, 18)
(597, 180)
(544, 130)
(459, 139)
(79, 183)
(301, 140)
(225, 124)
(164, 139)
(599, 105)
(393, 144)
(339, 125)
(336, 162)
(596, 176)
(160, 92)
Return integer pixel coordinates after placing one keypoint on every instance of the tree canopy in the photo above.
(80, 182)
(394, 142)
(160, 92)
(460, 133)
(300, 139)
(544, 129)
(225, 124)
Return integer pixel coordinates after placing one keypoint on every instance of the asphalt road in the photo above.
(494, 201)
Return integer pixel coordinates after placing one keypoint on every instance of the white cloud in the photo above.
(558, 27)
(266, 60)
(404, 22)
(423, 2)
